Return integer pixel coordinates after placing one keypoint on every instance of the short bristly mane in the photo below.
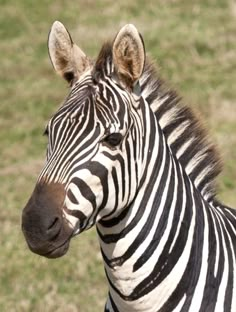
(184, 132)
(185, 135)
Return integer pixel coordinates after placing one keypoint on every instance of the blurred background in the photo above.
(194, 45)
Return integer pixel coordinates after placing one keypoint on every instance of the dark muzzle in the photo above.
(46, 231)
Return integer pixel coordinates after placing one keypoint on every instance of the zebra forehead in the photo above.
(103, 63)
(77, 101)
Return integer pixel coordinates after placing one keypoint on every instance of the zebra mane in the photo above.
(185, 134)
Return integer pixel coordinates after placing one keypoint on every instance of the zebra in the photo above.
(125, 154)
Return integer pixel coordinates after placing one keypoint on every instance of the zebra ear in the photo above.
(68, 60)
(128, 55)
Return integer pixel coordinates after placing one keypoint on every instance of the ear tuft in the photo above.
(128, 55)
(68, 60)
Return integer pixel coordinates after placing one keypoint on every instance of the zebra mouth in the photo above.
(54, 251)
(58, 251)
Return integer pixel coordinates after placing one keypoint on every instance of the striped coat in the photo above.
(125, 154)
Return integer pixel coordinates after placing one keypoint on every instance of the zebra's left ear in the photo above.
(128, 54)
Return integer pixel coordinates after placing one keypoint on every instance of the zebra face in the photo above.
(93, 142)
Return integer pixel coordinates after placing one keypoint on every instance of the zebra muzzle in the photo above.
(46, 232)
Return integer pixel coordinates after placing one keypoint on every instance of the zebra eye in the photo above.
(113, 139)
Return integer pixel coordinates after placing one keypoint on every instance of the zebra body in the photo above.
(125, 155)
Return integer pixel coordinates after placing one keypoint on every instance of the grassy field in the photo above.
(194, 45)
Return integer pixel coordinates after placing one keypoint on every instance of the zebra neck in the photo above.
(146, 239)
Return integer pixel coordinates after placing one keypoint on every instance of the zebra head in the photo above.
(94, 155)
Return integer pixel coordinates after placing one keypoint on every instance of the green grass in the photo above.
(194, 45)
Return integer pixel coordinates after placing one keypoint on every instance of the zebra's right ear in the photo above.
(68, 60)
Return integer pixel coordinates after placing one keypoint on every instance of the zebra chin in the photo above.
(46, 231)
(48, 250)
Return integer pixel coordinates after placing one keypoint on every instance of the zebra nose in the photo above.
(42, 221)
(39, 226)
(53, 227)
(46, 231)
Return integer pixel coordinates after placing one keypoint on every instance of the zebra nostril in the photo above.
(53, 228)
